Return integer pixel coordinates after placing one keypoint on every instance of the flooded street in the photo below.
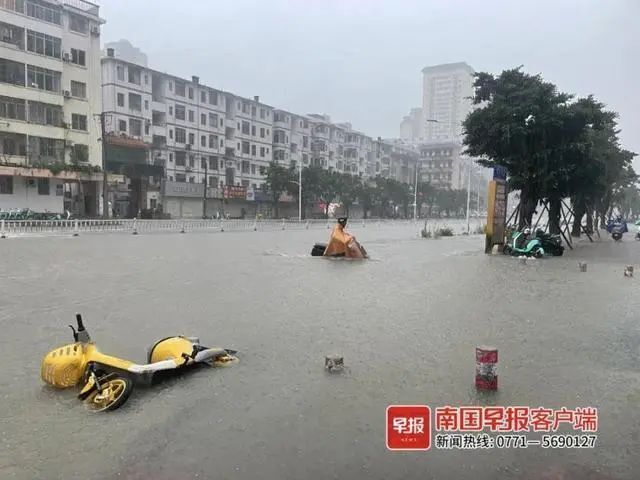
(407, 323)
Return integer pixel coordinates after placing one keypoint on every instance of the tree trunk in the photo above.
(578, 210)
(590, 215)
(527, 207)
(275, 207)
(555, 205)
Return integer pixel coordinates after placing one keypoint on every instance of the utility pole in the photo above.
(105, 184)
(468, 197)
(204, 196)
(300, 192)
(415, 196)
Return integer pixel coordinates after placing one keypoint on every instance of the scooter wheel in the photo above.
(115, 391)
(539, 253)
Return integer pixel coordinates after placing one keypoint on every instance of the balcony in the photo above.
(11, 36)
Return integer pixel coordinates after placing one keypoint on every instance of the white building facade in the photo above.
(446, 101)
(50, 102)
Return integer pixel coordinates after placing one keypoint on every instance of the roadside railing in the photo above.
(9, 228)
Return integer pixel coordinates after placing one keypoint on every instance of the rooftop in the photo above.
(448, 67)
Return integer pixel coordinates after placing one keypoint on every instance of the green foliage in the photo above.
(278, 179)
(445, 232)
(551, 144)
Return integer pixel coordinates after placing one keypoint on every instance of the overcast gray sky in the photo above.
(360, 60)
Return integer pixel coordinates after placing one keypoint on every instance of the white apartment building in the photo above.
(50, 101)
(165, 132)
(446, 101)
(412, 125)
(291, 139)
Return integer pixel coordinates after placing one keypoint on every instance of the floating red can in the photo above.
(486, 368)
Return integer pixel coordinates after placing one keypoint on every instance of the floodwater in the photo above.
(407, 323)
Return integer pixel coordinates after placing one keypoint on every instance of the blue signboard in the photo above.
(499, 173)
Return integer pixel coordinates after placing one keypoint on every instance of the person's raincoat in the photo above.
(341, 244)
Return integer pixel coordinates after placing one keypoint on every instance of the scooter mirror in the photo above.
(75, 334)
(79, 320)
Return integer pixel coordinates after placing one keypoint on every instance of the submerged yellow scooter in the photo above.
(108, 381)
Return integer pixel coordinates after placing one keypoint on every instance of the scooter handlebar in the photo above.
(79, 320)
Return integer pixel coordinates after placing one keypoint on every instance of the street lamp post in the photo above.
(415, 195)
(299, 183)
(468, 197)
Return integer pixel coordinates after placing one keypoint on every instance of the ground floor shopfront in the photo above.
(42, 191)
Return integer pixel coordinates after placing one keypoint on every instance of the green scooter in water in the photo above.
(519, 245)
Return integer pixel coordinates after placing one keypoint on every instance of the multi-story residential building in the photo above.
(412, 125)
(446, 101)
(165, 131)
(291, 139)
(49, 106)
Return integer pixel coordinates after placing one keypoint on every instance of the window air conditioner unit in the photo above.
(95, 30)
(67, 94)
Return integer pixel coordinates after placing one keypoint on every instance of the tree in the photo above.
(348, 188)
(516, 126)
(328, 189)
(277, 181)
(366, 196)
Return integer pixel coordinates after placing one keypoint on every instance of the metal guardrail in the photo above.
(11, 228)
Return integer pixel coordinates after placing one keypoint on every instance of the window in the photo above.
(253, 130)
(47, 147)
(213, 163)
(170, 86)
(192, 160)
(262, 151)
(135, 102)
(278, 154)
(43, 186)
(213, 181)
(213, 141)
(203, 96)
(253, 150)
(181, 135)
(146, 104)
(203, 163)
(78, 23)
(203, 118)
(122, 125)
(192, 138)
(245, 127)
(213, 119)
(43, 79)
(36, 10)
(262, 113)
(192, 179)
(6, 185)
(180, 112)
(191, 116)
(134, 74)
(79, 89)
(253, 169)
(213, 97)
(245, 183)
(181, 159)
(78, 57)
(181, 177)
(203, 141)
(262, 133)
(253, 110)
(80, 153)
(146, 79)
(170, 110)
(170, 157)
(305, 142)
(45, 114)
(190, 93)
(120, 72)
(43, 44)
(135, 127)
(121, 99)
(146, 128)
(245, 147)
(305, 158)
(12, 108)
(245, 108)
(79, 122)
(245, 166)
